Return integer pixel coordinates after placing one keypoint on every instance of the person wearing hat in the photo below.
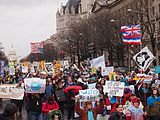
(9, 113)
(135, 112)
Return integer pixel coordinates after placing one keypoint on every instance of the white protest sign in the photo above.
(11, 91)
(89, 94)
(107, 70)
(1, 68)
(35, 85)
(114, 88)
(49, 68)
(91, 86)
(98, 62)
(24, 69)
(11, 70)
(144, 58)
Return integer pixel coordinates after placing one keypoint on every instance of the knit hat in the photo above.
(134, 100)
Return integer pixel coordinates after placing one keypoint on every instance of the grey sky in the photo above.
(23, 21)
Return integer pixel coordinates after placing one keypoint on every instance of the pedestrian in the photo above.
(9, 113)
(51, 104)
(153, 105)
(118, 114)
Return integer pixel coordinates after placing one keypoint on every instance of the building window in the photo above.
(153, 11)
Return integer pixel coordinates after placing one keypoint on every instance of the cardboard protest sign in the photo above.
(107, 70)
(1, 68)
(35, 85)
(157, 69)
(89, 95)
(98, 62)
(114, 88)
(92, 86)
(144, 58)
(10, 91)
(49, 68)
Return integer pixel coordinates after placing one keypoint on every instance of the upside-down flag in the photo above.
(36, 47)
(131, 34)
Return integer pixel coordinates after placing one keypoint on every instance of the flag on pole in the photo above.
(144, 58)
(37, 47)
(131, 34)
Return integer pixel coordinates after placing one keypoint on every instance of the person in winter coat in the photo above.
(88, 112)
(51, 104)
(153, 105)
(9, 113)
(35, 106)
(135, 112)
(118, 114)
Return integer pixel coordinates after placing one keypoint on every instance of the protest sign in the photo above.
(144, 58)
(157, 69)
(93, 70)
(107, 70)
(89, 95)
(34, 85)
(98, 62)
(1, 68)
(57, 66)
(42, 65)
(114, 88)
(49, 68)
(11, 70)
(11, 91)
(91, 86)
(64, 63)
(24, 69)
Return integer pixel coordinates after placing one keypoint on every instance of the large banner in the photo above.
(144, 58)
(89, 95)
(10, 91)
(107, 70)
(98, 62)
(49, 68)
(35, 85)
(114, 88)
(1, 68)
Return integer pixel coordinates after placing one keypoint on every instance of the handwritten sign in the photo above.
(89, 95)
(107, 70)
(49, 68)
(114, 88)
(11, 91)
(34, 85)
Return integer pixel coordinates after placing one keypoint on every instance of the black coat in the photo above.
(117, 116)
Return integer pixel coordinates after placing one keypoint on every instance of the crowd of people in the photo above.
(61, 97)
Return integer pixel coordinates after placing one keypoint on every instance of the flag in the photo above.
(37, 47)
(131, 34)
(144, 58)
(98, 62)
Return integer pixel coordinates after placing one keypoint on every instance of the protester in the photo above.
(153, 105)
(51, 104)
(118, 114)
(9, 113)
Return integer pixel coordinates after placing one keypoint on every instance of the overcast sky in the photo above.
(23, 21)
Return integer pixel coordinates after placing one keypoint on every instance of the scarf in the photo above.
(90, 115)
(136, 111)
(151, 100)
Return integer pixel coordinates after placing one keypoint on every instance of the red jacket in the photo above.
(47, 107)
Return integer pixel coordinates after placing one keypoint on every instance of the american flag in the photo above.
(36, 47)
(131, 34)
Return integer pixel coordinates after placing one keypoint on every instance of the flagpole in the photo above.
(129, 59)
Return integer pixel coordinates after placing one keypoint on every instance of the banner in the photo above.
(1, 68)
(24, 69)
(10, 91)
(114, 88)
(157, 69)
(49, 68)
(34, 85)
(144, 58)
(98, 62)
(89, 95)
(107, 70)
